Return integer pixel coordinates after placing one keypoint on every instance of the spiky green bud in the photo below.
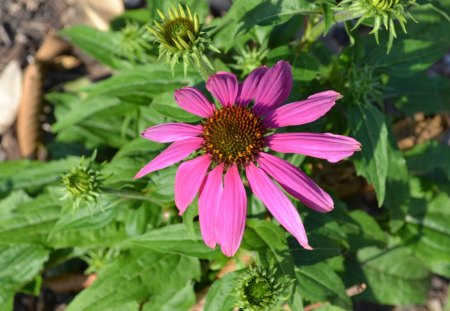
(259, 289)
(383, 12)
(83, 183)
(364, 85)
(134, 43)
(180, 36)
(98, 258)
(250, 59)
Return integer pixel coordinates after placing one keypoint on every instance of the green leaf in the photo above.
(428, 232)
(409, 55)
(323, 248)
(369, 128)
(221, 296)
(269, 240)
(393, 276)
(31, 222)
(137, 276)
(397, 178)
(99, 44)
(271, 12)
(6, 300)
(413, 91)
(431, 159)
(14, 200)
(175, 239)
(32, 175)
(165, 104)
(172, 300)
(320, 283)
(85, 218)
(139, 85)
(19, 264)
(85, 109)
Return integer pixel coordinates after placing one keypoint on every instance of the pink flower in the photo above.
(233, 139)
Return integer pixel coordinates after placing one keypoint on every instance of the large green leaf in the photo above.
(19, 264)
(397, 181)
(137, 276)
(408, 56)
(165, 104)
(99, 44)
(172, 300)
(139, 85)
(32, 175)
(14, 200)
(427, 229)
(175, 239)
(85, 109)
(393, 276)
(221, 296)
(413, 91)
(320, 283)
(369, 128)
(272, 12)
(431, 159)
(30, 222)
(85, 218)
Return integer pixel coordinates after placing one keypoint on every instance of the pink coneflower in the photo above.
(234, 139)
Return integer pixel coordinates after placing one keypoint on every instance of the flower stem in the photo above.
(319, 28)
(203, 69)
(126, 194)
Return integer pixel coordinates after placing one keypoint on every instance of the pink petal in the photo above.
(296, 183)
(277, 203)
(274, 88)
(324, 146)
(232, 212)
(193, 101)
(188, 179)
(224, 86)
(302, 112)
(172, 154)
(247, 90)
(169, 132)
(208, 205)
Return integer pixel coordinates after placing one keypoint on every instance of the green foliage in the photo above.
(390, 231)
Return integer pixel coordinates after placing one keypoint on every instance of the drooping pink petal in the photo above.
(193, 101)
(277, 203)
(172, 154)
(208, 204)
(247, 90)
(302, 112)
(224, 86)
(296, 183)
(188, 179)
(274, 88)
(169, 132)
(232, 212)
(324, 146)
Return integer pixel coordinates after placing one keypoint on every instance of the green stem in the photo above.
(126, 194)
(203, 69)
(319, 28)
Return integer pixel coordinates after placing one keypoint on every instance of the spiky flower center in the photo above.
(78, 182)
(233, 135)
(178, 28)
(384, 5)
(258, 292)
